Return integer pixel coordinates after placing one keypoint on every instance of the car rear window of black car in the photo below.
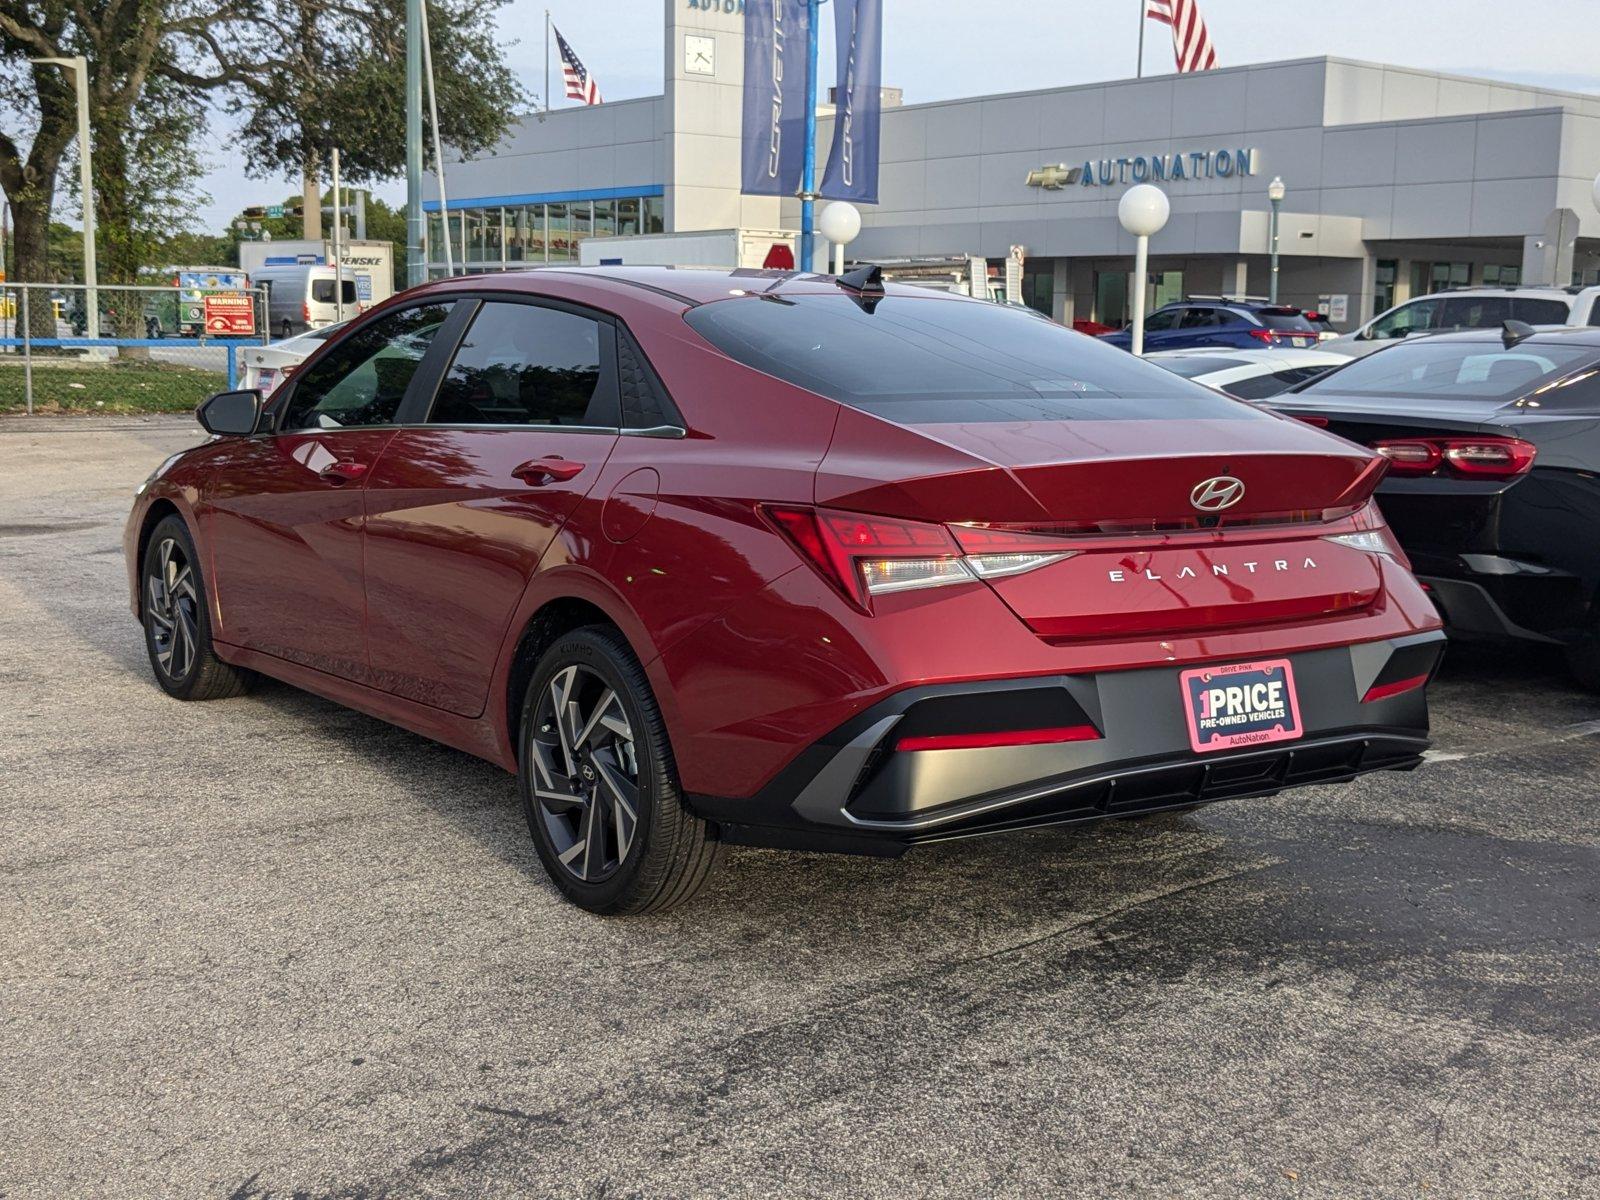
(1433, 369)
(931, 361)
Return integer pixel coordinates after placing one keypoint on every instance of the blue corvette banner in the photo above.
(853, 161)
(774, 130)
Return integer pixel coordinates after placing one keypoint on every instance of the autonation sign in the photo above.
(1188, 164)
(724, 6)
(1145, 168)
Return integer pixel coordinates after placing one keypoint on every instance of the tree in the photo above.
(149, 62)
(341, 84)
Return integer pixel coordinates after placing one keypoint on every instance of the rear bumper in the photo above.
(1482, 609)
(853, 791)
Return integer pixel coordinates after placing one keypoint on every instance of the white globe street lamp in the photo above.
(840, 222)
(1143, 211)
(1275, 191)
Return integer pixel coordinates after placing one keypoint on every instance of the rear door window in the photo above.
(524, 364)
(1475, 312)
(930, 361)
(1200, 318)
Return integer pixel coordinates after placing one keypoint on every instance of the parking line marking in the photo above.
(1566, 733)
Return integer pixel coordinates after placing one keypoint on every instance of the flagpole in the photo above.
(547, 60)
(808, 179)
(1139, 71)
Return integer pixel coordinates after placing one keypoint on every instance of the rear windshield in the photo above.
(1190, 366)
(1440, 370)
(1283, 320)
(928, 361)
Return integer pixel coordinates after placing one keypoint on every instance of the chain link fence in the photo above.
(123, 348)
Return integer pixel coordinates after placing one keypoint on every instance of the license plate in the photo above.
(268, 378)
(1245, 704)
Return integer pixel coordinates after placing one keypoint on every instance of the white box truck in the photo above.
(726, 248)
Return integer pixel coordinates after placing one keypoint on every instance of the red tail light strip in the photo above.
(1474, 458)
(1383, 691)
(1008, 737)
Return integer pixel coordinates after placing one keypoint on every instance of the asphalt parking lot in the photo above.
(269, 947)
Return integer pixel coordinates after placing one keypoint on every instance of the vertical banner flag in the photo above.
(853, 160)
(774, 130)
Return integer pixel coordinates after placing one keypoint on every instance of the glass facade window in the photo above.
(1496, 275)
(627, 217)
(484, 238)
(559, 222)
(497, 238)
(1388, 270)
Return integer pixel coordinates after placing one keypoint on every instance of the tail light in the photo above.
(865, 556)
(1472, 458)
(1264, 335)
(305, 312)
(1372, 535)
(1318, 422)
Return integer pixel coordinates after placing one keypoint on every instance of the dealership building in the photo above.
(1399, 181)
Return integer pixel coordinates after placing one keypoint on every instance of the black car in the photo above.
(1493, 487)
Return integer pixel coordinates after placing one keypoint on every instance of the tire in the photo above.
(582, 772)
(284, 332)
(177, 622)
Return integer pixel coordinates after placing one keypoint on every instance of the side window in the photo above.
(1199, 318)
(1159, 321)
(521, 364)
(1474, 312)
(363, 377)
(1541, 312)
(1407, 319)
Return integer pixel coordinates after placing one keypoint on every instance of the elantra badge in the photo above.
(1217, 493)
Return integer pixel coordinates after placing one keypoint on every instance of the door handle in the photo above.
(343, 471)
(551, 469)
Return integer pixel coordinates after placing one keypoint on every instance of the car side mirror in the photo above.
(230, 414)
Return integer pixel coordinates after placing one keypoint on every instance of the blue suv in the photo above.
(1220, 321)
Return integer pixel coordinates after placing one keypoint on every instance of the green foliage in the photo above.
(341, 83)
(116, 387)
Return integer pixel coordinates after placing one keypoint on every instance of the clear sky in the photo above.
(939, 49)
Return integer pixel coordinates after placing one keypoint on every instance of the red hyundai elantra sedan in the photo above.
(776, 559)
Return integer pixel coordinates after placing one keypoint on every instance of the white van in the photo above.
(301, 297)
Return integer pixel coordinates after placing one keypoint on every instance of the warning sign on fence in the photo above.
(231, 314)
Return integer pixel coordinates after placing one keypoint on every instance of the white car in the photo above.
(265, 367)
(1472, 308)
(1247, 374)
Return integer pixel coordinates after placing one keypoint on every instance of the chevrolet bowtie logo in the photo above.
(1217, 493)
(1054, 176)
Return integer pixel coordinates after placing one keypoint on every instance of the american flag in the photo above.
(1191, 44)
(580, 84)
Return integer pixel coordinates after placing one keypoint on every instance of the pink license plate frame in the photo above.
(1238, 705)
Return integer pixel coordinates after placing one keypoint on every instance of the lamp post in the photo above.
(1143, 211)
(840, 223)
(1275, 191)
(79, 66)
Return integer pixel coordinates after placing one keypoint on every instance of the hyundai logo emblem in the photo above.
(1217, 493)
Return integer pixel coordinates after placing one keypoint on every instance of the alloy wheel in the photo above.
(585, 773)
(172, 605)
